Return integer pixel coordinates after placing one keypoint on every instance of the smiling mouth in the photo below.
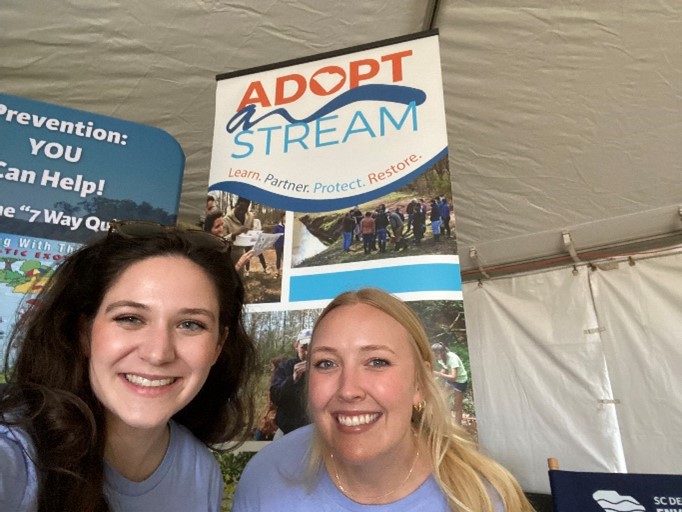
(357, 420)
(148, 383)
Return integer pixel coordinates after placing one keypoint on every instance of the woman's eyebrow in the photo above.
(372, 348)
(324, 348)
(125, 304)
(363, 348)
(138, 305)
(198, 311)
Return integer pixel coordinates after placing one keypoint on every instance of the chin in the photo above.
(142, 420)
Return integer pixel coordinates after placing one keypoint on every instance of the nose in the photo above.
(351, 387)
(158, 347)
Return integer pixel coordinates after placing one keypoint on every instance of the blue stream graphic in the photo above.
(242, 120)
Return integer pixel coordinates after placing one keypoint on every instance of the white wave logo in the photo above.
(611, 501)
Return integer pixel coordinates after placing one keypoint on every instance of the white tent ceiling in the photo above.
(562, 116)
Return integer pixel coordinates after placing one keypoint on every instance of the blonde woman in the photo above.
(382, 437)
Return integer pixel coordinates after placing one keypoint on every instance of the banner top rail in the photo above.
(327, 55)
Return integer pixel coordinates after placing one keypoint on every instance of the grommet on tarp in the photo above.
(480, 283)
(473, 254)
(574, 271)
(631, 261)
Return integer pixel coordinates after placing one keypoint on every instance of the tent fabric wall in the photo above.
(639, 309)
(579, 364)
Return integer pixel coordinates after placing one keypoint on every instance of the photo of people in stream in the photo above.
(417, 219)
(250, 227)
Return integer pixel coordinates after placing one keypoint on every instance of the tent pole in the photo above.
(432, 11)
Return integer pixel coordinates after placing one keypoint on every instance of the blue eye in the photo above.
(379, 363)
(192, 325)
(127, 319)
(324, 364)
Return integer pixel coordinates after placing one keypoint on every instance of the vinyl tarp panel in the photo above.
(579, 365)
(639, 309)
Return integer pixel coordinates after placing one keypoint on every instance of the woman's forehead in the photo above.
(360, 322)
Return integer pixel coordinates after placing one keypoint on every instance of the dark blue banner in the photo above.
(615, 492)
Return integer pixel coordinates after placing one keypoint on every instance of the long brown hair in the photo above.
(49, 395)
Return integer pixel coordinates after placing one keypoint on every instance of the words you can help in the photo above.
(54, 179)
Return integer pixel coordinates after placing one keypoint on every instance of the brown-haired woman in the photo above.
(133, 360)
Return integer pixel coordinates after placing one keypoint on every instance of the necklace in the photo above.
(372, 498)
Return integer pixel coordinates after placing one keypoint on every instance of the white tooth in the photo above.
(141, 381)
(354, 421)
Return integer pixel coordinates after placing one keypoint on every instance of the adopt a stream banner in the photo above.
(359, 132)
(346, 154)
(64, 174)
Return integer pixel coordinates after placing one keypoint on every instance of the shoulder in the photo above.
(231, 219)
(287, 365)
(14, 437)
(276, 473)
(289, 451)
(454, 359)
(188, 449)
(18, 479)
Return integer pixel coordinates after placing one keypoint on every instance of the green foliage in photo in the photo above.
(231, 466)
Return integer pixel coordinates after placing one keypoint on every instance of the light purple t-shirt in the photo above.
(274, 479)
(188, 478)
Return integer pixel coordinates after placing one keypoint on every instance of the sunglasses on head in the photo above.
(144, 229)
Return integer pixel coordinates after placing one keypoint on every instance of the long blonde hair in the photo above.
(465, 475)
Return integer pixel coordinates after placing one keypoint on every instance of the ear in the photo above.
(418, 392)
(418, 396)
